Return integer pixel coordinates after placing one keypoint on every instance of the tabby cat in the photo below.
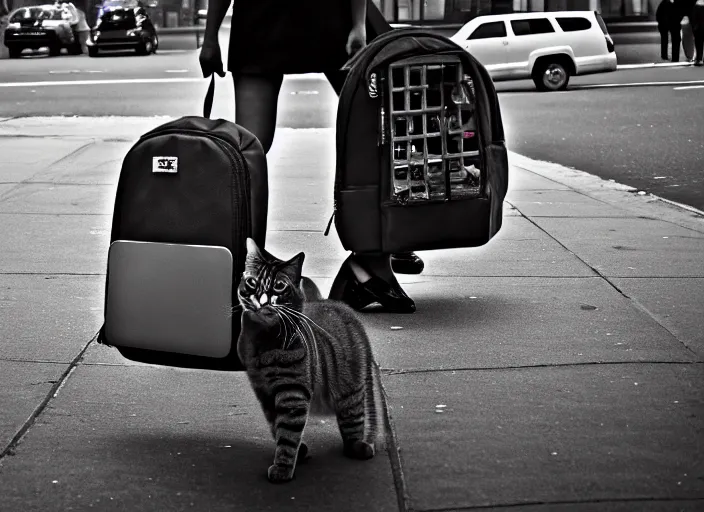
(304, 355)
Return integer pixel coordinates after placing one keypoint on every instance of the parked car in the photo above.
(38, 27)
(124, 29)
(548, 47)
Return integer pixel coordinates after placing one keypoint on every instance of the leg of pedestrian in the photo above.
(699, 47)
(83, 36)
(664, 40)
(687, 40)
(676, 40)
(256, 99)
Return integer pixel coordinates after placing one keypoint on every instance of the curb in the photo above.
(654, 65)
(609, 191)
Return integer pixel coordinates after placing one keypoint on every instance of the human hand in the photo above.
(356, 40)
(210, 59)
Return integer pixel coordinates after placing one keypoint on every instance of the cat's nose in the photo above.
(263, 299)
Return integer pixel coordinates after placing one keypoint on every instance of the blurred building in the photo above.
(461, 11)
(177, 13)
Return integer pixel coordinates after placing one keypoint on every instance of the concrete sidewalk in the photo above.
(559, 367)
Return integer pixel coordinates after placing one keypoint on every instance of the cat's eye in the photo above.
(250, 283)
(280, 286)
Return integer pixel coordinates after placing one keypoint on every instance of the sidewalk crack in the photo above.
(53, 393)
(528, 503)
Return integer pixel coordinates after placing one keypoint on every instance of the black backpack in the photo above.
(421, 157)
(199, 182)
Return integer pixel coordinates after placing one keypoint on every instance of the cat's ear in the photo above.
(252, 248)
(294, 267)
(254, 257)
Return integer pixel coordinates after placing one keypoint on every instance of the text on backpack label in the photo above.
(165, 164)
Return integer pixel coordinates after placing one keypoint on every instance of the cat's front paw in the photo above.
(359, 450)
(280, 474)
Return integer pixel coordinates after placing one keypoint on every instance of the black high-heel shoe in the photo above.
(406, 263)
(347, 288)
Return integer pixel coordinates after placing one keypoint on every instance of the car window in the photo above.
(121, 14)
(50, 14)
(118, 17)
(19, 16)
(574, 24)
(36, 13)
(531, 26)
(488, 30)
(28, 13)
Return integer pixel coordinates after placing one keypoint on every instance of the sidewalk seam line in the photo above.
(563, 502)
(638, 306)
(18, 184)
(53, 392)
(409, 371)
(52, 274)
(80, 149)
(654, 317)
(31, 361)
(62, 214)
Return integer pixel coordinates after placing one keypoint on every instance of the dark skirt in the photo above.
(288, 36)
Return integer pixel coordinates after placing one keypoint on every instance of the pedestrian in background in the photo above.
(687, 38)
(272, 38)
(669, 27)
(683, 9)
(697, 18)
(76, 18)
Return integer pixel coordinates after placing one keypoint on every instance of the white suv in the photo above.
(548, 47)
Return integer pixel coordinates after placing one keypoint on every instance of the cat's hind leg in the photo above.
(350, 418)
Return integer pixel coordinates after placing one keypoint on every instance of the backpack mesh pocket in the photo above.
(434, 141)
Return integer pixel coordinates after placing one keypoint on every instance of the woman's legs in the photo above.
(256, 100)
(375, 264)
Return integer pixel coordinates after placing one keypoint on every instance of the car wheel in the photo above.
(92, 51)
(145, 47)
(551, 76)
(15, 52)
(55, 50)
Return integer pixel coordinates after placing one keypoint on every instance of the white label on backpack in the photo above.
(165, 164)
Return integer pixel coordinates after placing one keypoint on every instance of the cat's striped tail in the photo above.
(373, 400)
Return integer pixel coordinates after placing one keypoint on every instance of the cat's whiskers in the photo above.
(295, 326)
(288, 340)
(306, 319)
(231, 310)
(282, 323)
(310, 343)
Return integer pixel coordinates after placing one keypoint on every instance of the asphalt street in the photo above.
(640, 126)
